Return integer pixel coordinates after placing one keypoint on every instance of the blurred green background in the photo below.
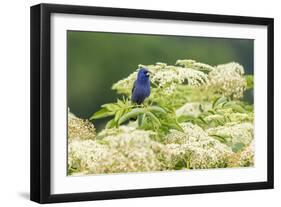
(96, 60)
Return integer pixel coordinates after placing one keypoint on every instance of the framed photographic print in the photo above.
(132, 103)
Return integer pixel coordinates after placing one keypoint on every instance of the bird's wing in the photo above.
(134, 85)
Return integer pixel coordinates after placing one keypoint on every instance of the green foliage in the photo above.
(222, 112)
(104, 112)
(218, 101)
(149, 117)
(117, 110)
(250, 81)
(238, 147)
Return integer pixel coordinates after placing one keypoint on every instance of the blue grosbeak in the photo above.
(141, 88)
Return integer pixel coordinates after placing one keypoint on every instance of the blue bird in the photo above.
(141, 88)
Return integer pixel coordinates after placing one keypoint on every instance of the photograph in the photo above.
(129, 103)
(140, 103)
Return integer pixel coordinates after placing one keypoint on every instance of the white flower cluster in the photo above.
(125, 85)
(195, 65)
(84, 153)
(134, 151)
(79, 128)
(246, 158)
(130, 150)
(228, 80)
(235, 133)
(195, 148)
(241, 117)
(165, 77)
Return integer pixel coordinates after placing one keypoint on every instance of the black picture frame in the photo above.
(41, 99)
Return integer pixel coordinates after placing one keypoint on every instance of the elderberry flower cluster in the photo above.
(227, 79)
(165, 77)
(125, 151)
(246, 158)
(80, 128)
(195, 149)
(234, 133)
(195, 65)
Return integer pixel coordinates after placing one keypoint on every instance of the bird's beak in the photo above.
(148, 73)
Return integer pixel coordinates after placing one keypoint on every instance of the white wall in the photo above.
(14, 101)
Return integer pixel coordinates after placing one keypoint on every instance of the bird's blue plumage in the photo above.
(141, 88)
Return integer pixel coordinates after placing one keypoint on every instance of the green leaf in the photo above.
(249, 108)
(154, 119)
(238, 147)
(101, 114)
(181, 164)
(201, 108)
(141, 118)
(102, 141)
(173, 125)
(118, 114)
(145, 124)
(250, 81)
(219, 100)
(211, 112)
(201, 122)
(121, 103)
(220, 138)
(110, 124)
(111, 107)
(132, 114)
(167, 108)
(238, 108)
(185, 118)
(156, 109)
(235, 107)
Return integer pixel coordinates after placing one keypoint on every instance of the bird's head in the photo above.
(143, 74)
